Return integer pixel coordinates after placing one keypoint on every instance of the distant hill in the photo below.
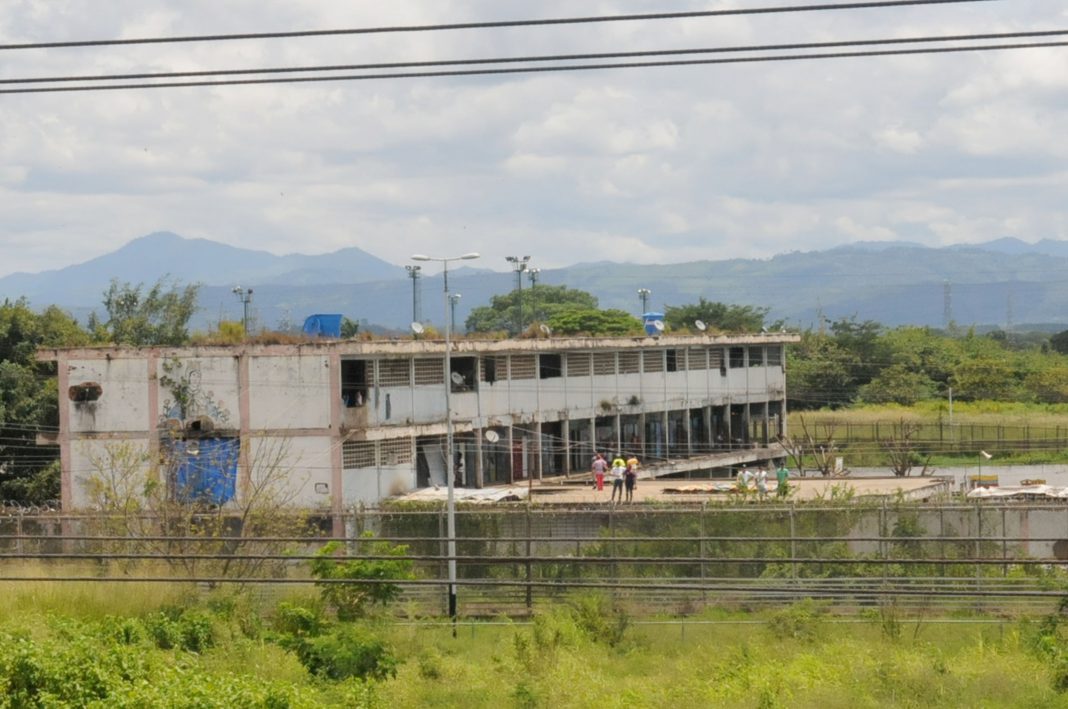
(892, 282)
(147, 259)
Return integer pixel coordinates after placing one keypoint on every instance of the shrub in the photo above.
(347, 651)
(351, 601)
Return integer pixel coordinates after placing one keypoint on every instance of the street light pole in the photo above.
(453, 300)
(450, 505)
(533, 273)
(644, 294)
(245, 296)
(519, 264)
(413, 273)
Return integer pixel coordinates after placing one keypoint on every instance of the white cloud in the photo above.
(651, 165)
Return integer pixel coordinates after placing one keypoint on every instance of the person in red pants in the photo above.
(599, 468)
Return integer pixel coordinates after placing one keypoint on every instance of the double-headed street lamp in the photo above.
(450, 508)
(519, 264)
(245, 296)
(413, 273)
(644, 294)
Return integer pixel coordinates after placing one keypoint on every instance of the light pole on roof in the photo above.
(450, 505)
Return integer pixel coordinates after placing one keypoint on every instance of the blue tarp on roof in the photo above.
(207, 470)
(323, 325)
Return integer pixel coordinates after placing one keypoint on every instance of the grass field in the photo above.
(1017, 433)
(86, 644)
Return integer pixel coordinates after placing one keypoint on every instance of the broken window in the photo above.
(84, 393)
(550, 366)
(462, 373)
(354, 381)
(672, 360)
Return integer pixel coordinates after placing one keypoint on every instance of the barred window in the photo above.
(697, 358)
(604, 363)
(737, 357)
(774, 355)
(395, 451)
(395, 372)
(523, 367)
(756, 356)
(358, 454)
(653, 361)
(715, 358)
(493, 369)
(629, 362)
(578, 364)
(429, 371)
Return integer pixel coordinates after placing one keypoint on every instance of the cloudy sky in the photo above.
(652, 165)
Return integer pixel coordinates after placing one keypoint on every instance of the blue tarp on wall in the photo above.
(207, 470)
(323, 325)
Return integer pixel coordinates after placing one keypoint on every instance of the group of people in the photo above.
(623, 474)
(747, 479)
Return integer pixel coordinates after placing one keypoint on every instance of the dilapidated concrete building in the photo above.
(357, 421)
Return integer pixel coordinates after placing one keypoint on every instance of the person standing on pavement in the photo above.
(599, 468)
(619, 470)
(630, 477)
(782, 488)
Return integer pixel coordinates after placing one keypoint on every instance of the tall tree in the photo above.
(539, 304)
(29, 474)
(158, 316)
(718, 316)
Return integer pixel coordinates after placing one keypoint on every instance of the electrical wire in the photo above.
(778, 9)
(537, 69)
(541, 58)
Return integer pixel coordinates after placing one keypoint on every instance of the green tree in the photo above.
(29, 399)
(502, 314)
(820, 373)
(158, 316)
(593, 322)
(349, 328)
(897, 384)
(717, 316)
(1059, 342)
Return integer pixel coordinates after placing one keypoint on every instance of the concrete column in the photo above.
(540, 448)
(480, 463)
(665, 428)
(66, 492)
(511, 452)
(152, 424)
(565, 433)
(244, 474)
(336, 443)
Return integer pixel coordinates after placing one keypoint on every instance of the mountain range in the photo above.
(1005, 282)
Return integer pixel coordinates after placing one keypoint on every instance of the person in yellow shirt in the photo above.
(631, 478)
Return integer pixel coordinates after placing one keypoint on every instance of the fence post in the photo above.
(701, 548)
(442, 552)
(793, 542)
(530, 597)
(1004, 545)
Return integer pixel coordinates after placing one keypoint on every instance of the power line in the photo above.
(542, 58)
(396, 29)
(537, 69)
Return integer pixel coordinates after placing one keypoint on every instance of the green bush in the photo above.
(371, 577)
(347, 651)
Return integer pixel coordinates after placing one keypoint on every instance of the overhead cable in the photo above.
(541, 58)
(396, 29)
(536, 69)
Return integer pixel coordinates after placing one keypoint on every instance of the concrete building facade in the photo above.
(357, 421)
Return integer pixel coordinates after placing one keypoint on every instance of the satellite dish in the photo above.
(492, 436)
(546, 329)
(659, 325)
(700, 325)
(457, 378)
(417, 328)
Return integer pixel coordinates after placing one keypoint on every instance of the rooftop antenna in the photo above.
(700, 325)
(417, 328)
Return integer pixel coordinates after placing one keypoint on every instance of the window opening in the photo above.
(550, 366)
(354, 382)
